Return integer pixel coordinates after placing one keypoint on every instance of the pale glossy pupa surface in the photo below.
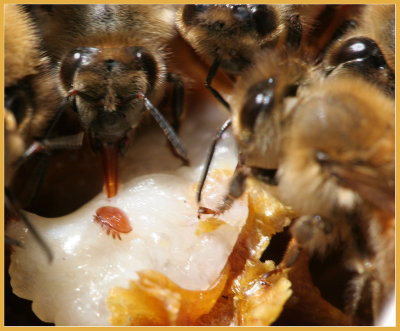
(158, 196)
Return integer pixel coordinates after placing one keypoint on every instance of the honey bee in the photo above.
(228, 36)
(262, 103)
(231, 37)
(335, 166)
(27, 84)
(30, 100)
(338, 163)
(325, 137)
(112, 67)
(277, 79)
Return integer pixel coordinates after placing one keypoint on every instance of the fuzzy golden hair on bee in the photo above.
(378, 22)
(323, 25)
(65, 27)
(383, 238)
(113, 31)
(68, 27)
(47, 99)
(339, 150)
(31, 91)
(337, 170)
(21, 43)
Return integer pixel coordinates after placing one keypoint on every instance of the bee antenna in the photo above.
(211, 74)
(60, 109)
(210, 156)
(10, 204)
(166, 127)
(37, 236)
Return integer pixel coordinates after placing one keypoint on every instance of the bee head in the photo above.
(232, 33)
(104, 84)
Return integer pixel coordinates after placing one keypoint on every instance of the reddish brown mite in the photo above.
(113, 220)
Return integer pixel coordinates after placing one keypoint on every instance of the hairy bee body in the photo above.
(327, 125)
(235, 34)
(66, 27)
(31, 94)
(341, 131)
(312, 106)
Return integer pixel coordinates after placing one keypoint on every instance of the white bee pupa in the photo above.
(158, 196)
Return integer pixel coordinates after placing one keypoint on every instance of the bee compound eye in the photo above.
(14, 101)
(264, 18)
(362, 49)
(260, 100)
(142, 59)
(78, 57)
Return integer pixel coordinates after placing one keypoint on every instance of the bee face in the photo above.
(111, 65)
(262, 102)
(232, 32)
(106, 82)
(329, 130)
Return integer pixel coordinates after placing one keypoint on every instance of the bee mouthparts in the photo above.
(109, 155)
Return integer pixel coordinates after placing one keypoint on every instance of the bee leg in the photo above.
(45, 148)
(211, 74)
(354, 294)
(42, 145)
(237, 187)
(28, 191)
(59, 111)
(377, 298)
(64, 142)
(291, 256)
(303, 230)
(364, 294)
(178, 95)
(15, 212)
(210, 156)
